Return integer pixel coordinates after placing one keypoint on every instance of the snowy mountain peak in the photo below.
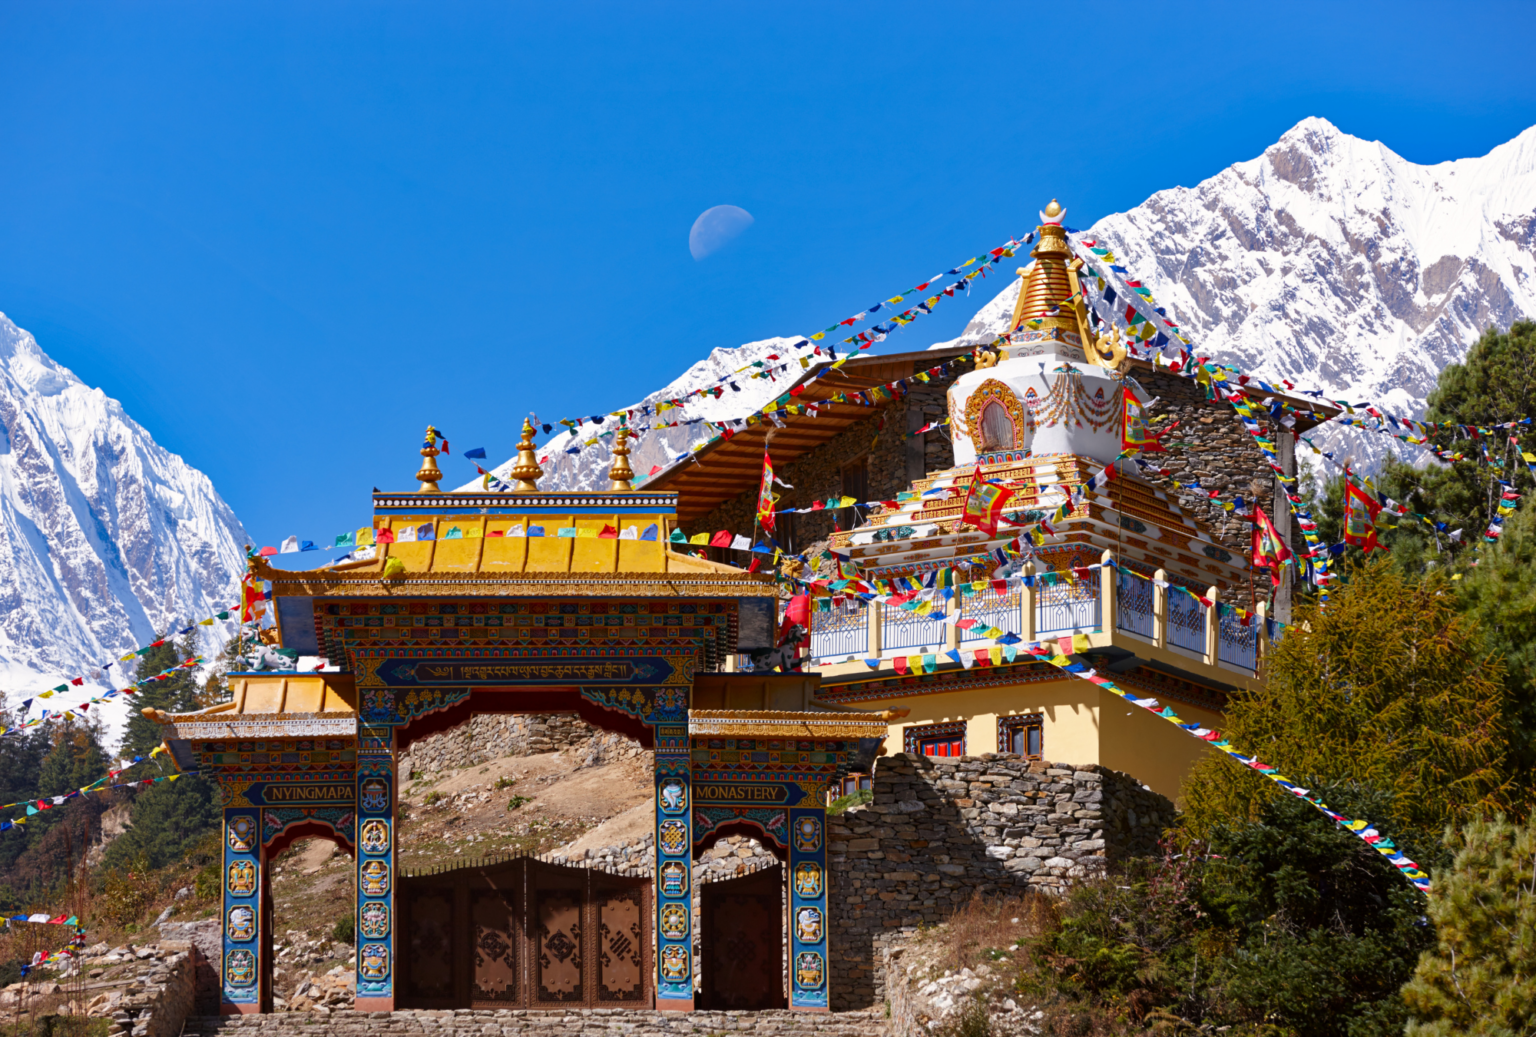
(106, 538)
(1337, 263)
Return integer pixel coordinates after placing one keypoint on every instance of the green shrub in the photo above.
(345, 929)
(853, 799)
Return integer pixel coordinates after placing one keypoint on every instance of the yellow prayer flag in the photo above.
(699, 538)
(205, 622)
(586, 533)
(845, 502)
(46, 695)
(1080, 643)
(818, 336)
(364, 536)
(805, 362)
(997, 656)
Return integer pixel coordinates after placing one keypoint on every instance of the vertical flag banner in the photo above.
(1135, 435)
(1360, 512)
(1269, 550)
(984, 504)
(765, 495)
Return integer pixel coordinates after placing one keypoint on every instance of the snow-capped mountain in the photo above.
(749, 391)
(1335, 263)
(1328, 260)
(106, 538)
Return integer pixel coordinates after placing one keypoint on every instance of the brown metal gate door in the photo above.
(496, 942)
(524, 934)
(621, 913)
(426, 967)
(743, 941)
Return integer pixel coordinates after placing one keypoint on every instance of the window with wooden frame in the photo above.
(936, 739)
(1021, 735)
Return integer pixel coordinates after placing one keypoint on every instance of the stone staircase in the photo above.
(574, 1023)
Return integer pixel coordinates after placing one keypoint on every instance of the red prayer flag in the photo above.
(1360, 511)
(899, 664)
(765, 495)
(984, 504)
(608, 533)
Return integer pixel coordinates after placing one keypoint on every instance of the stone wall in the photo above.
(142, 991)
(492, 737)
(1221, 455)
(573, 1022)
(941, 831)
(895, 460)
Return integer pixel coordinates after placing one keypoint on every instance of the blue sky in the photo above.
(290, 235)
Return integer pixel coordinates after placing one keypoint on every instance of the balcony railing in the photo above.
(844, 631)
(902, 629)
(1134, 603)
(1186, 622)
(1066, 608)
(1152, 609)
(991, 609)
(1237, 643)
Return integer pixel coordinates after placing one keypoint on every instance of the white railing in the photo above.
(1107, 598)
(843, 631)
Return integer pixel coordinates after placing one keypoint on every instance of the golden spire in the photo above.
(527, 470)
(1049, 282)
(620, 475)
(429, 473)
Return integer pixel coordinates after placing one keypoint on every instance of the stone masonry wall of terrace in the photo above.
(939, 832)
(1220, 453)
(486, 738)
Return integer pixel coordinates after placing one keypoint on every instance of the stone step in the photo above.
(601, 1022)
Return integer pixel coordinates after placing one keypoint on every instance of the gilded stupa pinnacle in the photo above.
(429, 473)
(527, 470)
(620, 475)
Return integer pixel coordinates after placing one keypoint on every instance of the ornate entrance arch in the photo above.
(615, 628)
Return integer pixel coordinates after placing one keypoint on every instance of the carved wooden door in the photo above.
(556, 897)
(426, 966)
(496, 935)
(742, 937)
(620, 912)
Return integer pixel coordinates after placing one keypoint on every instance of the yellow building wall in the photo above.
(1150, 749)
(1069, 728)
(1081, 724)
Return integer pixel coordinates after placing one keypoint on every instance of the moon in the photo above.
(716, 228)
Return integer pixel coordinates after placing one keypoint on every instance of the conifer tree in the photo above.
(1481, 978)
(168, 817)
(1388, 688)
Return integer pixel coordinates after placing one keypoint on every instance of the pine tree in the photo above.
(169, 817)
(1481, 979)
(1494, 385)
(1499, 594)
(1388, 688)
(177, 693)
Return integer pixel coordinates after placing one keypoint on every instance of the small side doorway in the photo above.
(743, 942)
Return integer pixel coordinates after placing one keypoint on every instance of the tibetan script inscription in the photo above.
(406, 672)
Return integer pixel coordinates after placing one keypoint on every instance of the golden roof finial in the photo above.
(619, 475)
(1043, 297)
(527, 470)
(429, 473)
